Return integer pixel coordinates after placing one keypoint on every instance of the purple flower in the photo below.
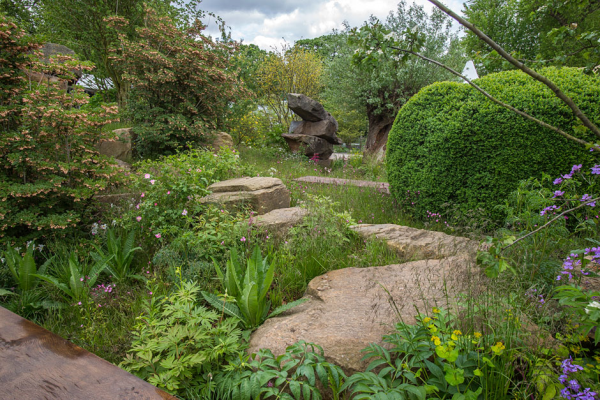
(568, 176)
(567, 366)
(574, 385)
(576, 168)
(558, 193)
(596, 170)
(558, 181)
(587, 197)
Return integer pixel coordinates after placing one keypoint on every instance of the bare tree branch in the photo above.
(551, 221)
(566, 99)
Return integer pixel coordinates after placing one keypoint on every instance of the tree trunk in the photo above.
(379, 128)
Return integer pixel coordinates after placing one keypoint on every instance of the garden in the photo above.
(125, 260)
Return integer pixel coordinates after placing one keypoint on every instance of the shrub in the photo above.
(49, 169)
(454, 146)
(182, 83)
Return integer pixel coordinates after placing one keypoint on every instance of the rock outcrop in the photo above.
(222, 139)
(316, 133)
(260, 194)
(349, 308)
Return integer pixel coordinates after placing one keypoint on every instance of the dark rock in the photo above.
(307, 108)
(309, 145)
(324, 129)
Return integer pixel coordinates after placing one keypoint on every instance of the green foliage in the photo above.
(249, 289)
(49, 168)
(542, 32)
(118, 256)
(79, 278)
(23, 268)
(167, 189)
(182, 83)
(292, 375)
(454, 146)
(381, 87)
(433, 359)
(179, 346)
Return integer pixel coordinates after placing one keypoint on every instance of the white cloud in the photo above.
(266, 25)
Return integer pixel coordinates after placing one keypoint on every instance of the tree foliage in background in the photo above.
(49, 169)
(381, 87)
(25, 13)
(546, 32)
(182, 83)
(289, 70)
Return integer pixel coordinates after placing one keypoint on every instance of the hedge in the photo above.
(455, 146)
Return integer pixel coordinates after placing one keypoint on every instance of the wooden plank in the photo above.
(37, 364)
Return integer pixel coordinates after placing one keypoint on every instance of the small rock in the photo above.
(260, 194)
(309, 145)
(222, 139)
(119, 148)
(278, 222)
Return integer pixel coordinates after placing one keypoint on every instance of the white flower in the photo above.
(114, 222)
(103, 227)
(593, 304)
(40, 247)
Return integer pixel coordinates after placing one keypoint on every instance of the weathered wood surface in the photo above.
(383, 187)
(37, 364)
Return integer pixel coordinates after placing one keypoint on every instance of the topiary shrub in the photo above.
(455, 146)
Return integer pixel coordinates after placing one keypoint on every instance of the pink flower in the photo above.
(222, 243)
(79, 303)
(155, 204)
(169, 192)
(157, 235)
(150, 293)
(138, 218)
(184, 212)
(152, 181)
(147, 176)
(142, 195)
(243, 239)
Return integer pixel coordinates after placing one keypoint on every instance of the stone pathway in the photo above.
(383, 187)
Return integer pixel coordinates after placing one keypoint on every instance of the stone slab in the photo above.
(412, 243)
(383, 187)
(279, 222)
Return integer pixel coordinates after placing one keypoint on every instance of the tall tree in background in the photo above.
(23, 12)
(382, 87)
(289, 70)
(542, 32)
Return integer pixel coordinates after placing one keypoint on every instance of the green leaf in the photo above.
(295, 389)
(285, 307)
(4, 292)
(220, 305)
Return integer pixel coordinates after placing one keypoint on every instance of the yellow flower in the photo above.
(477, 335)
(436, 310)
(457, 332)
(426, 320)
(436, 340)
(453, 337)
(498, 348)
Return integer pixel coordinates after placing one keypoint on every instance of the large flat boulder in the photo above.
(278, 222)
(349, 308)
(261, 194)
(307, 108)
(309, 145)
(412, 243)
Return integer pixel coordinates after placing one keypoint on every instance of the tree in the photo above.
(183, 83)
(379, 88)
(49, 168)
(23, 12)
(289, 70)
(544, 32)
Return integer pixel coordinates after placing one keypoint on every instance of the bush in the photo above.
(182, 84)
(453, 145)
(49, 168)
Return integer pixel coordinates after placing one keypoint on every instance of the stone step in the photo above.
(383, 187)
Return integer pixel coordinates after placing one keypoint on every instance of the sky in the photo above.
(269, 23)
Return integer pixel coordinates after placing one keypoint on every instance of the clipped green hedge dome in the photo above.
(455, 146)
